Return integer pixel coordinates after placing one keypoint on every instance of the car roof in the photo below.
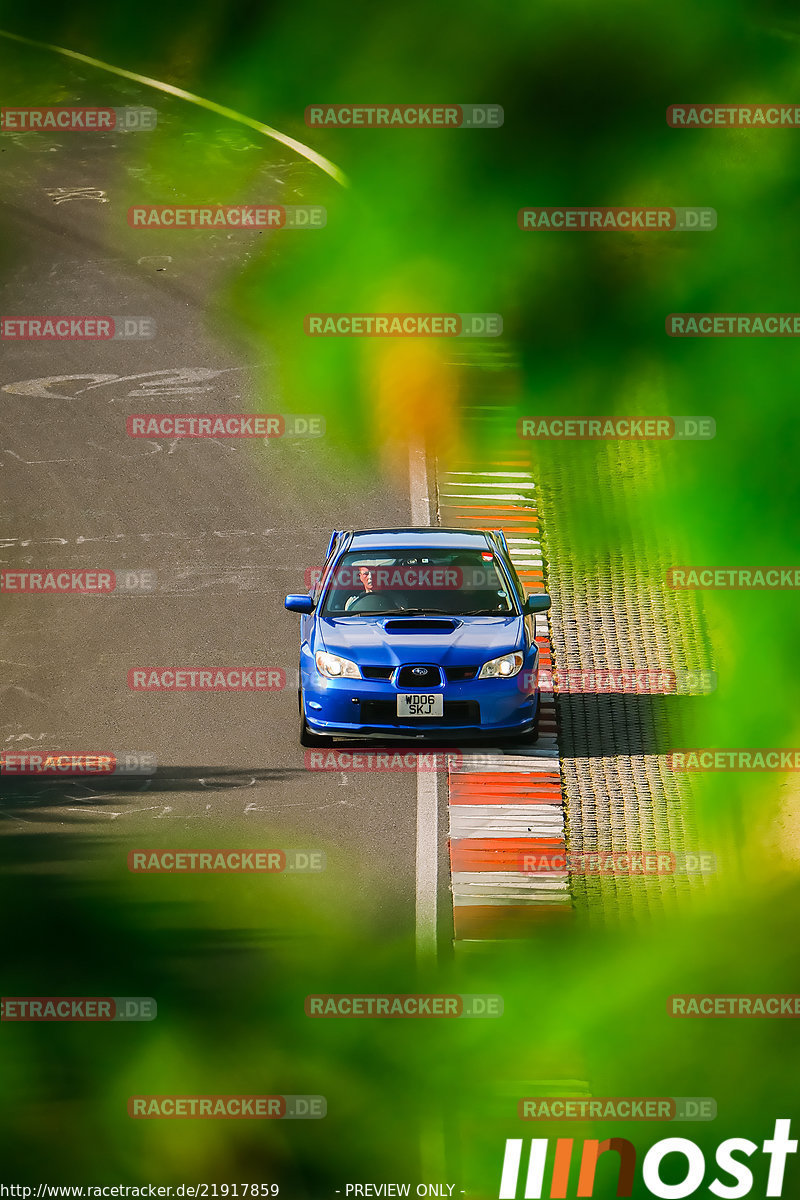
(417, 538)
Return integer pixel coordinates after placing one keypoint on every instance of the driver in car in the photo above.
(365, 579)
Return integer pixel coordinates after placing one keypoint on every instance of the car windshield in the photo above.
(397, 582)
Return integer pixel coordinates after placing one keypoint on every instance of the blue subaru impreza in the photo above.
(416, 633)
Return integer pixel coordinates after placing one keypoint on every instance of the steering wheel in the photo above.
(373, 602)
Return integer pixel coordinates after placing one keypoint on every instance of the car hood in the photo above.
(448, 641)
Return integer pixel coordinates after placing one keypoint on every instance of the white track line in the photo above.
(514, 482)
(479, 496)
(418, 482)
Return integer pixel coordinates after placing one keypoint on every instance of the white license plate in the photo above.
(416, 704)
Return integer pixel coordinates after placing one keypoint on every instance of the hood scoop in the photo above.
(420, 625)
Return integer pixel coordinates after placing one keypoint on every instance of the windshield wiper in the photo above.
(423, 612)
(381, 612)
(485, 612)
(448, 612)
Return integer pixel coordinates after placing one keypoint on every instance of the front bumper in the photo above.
(367, 707)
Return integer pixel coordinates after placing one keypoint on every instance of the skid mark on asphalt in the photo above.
(172, 381)
(62, 195)
(36, 800)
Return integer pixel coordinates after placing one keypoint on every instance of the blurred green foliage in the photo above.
(430, 224)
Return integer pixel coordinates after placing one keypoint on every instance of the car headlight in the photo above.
(334, 667)
(503, 667)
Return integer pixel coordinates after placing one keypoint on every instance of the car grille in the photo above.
(457, 674)
(377, 672)
(456, 712)
(408, 679)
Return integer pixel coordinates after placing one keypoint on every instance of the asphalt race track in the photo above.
(227, 526)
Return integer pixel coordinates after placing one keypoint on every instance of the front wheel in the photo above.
(307, 738)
